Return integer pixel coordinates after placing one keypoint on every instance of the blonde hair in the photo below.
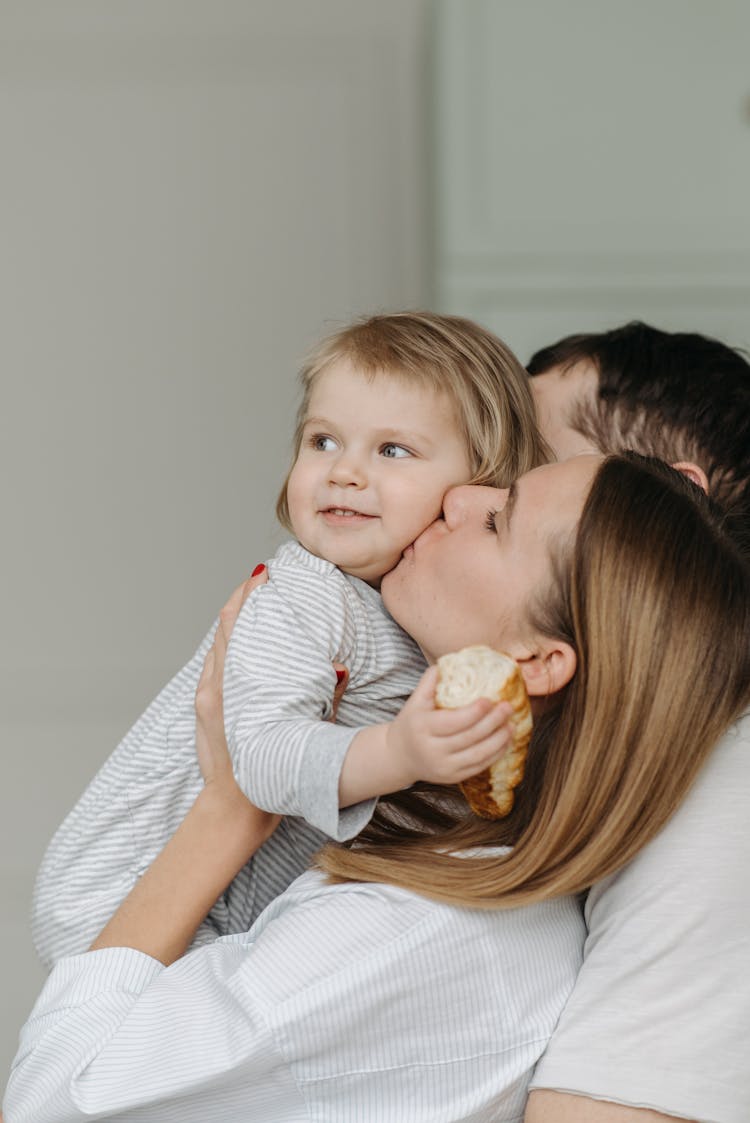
(484, 380)
(654, 595)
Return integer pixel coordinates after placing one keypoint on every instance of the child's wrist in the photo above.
(399, 763)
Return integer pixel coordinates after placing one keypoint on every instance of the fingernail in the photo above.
(258, 570)
(340, 676)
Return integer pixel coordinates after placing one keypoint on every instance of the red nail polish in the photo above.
(258, 570)
(340, 676)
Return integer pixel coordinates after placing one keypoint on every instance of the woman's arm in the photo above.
(559, 1107)
(164, 909)
(125, 816)
(219, 834)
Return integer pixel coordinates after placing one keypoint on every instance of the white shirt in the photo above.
(345, 1004)
(660, 1013)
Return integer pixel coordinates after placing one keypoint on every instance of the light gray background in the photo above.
(191, 193)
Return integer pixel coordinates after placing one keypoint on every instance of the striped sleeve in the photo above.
(278, 685)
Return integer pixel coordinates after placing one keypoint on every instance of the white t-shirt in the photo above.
(660, 1013)
(343, 1003)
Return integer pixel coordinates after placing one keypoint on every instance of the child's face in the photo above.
(376, 459)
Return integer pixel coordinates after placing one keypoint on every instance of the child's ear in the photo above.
(693, 472)
(549, 669)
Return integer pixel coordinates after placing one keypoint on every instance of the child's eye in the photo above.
(489, 522)
(322, 443)
(395, 451)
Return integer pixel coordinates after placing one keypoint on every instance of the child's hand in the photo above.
(446, 746)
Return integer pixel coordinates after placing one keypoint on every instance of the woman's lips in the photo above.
(434, 530)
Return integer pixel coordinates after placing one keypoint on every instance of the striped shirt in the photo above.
(355, 1003)
(278, 684)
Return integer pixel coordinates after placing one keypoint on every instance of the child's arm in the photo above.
(279, 682)
(422, 743)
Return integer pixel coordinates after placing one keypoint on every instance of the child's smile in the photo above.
(376, 458)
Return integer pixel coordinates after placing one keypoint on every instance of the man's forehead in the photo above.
(567, 378)
(557, 392)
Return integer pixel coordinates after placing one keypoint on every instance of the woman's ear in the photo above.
(549, 669)
(693, 472)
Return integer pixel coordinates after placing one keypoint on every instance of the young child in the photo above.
(396, 409)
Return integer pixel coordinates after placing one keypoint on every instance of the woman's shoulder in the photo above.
(320, 929)
(351, 976)
(313, 892)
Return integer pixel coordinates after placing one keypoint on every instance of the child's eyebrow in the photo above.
(400, 435)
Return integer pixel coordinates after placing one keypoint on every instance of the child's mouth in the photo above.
(345, 514)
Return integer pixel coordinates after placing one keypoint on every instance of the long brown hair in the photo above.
(485, 382)
(653, 592)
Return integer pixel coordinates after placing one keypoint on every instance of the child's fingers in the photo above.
(481, 755)
(424, 692)
(492, 724)
(470, 723)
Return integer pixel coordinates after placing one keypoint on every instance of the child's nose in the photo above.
(348, 470)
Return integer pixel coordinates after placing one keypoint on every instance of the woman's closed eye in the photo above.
(395, 452)
(489, 521)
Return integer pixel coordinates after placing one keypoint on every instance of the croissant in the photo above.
(481, 672)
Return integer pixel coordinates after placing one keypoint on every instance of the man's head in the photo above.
(679, 396)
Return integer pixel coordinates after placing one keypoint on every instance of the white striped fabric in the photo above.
(279, 682)
(343, 1004)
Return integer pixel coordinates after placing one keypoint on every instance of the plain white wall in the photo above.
(190, 194)
(592, 166)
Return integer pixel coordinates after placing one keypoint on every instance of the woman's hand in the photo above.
(212, 757)
(210, 739)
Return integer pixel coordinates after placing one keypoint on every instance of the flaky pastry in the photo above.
(482, 672)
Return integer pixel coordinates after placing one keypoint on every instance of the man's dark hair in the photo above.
(674, 395)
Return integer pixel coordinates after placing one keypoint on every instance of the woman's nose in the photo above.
(469, 500)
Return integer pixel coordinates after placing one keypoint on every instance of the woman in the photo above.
(614, 586)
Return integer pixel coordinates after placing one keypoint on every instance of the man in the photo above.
(657, 1026)
(675, 395)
